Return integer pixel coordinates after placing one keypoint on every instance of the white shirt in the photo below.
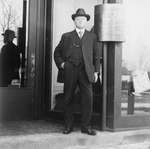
(80, 30)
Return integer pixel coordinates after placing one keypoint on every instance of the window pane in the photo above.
(12, 43)
(136, 59)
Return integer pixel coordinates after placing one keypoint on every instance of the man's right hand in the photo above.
(62, 65)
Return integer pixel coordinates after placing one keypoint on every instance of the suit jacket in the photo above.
(9, 62)
(89, 46)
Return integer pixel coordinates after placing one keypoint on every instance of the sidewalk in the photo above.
(48, 135)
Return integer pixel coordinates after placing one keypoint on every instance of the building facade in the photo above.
(117, 103)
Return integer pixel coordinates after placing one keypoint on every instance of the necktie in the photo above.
(80, 34)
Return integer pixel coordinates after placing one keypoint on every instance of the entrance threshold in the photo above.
(48, 134)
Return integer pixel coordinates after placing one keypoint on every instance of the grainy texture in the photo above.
(48, 135)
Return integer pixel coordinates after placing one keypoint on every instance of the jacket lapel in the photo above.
(76, 40)
(73, 42)
(85, 36)
(75, 36)
(85, 43)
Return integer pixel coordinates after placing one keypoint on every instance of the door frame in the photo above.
(36, 55)
(41, 48)
(48, 64)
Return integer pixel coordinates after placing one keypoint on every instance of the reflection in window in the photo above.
(136, 59)
(9, 60)
(12, 43)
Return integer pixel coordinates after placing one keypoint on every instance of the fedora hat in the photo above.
(81, 12)
(9, 32)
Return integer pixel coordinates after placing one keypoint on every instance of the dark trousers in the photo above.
(76, 75)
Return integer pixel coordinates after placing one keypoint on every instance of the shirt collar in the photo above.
(78, 30)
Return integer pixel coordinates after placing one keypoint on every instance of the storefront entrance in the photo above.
(116, 104)
(121, 100)
(61, 22)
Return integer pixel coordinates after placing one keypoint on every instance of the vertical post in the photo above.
(112, 57)
(104, 78)
(104, 84)
(114, 60)
(48, 56)
(36, 53)
(104, 72)
(40, 59)
(24, 43)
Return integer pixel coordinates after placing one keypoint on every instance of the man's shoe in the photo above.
(67, 130)
(88, 131)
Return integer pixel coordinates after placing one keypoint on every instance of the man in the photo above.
(78, 61)
(9, 59)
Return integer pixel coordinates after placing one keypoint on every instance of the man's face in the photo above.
(80, 22)
(8, 38)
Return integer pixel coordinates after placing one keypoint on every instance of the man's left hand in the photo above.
(95, 77)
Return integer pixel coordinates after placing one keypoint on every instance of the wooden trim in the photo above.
(112, 71)
(36, 53)
(104, 84)
(40, 60)
(48, 56)
(117, 79)
(31, 41)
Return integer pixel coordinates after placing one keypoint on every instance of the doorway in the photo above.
(58, 21)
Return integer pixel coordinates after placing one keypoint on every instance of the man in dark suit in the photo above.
(9, 60)
(78, 60)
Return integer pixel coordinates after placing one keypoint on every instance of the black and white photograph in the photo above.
(74, 74)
